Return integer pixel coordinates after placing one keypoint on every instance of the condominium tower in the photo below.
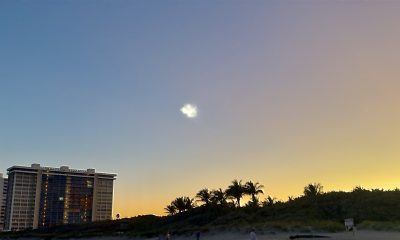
(3, 196)
(39, 197)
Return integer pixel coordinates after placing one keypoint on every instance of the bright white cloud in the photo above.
(189, 110)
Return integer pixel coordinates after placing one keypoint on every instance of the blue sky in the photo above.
(84, 77)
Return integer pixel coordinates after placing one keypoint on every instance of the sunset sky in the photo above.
(287, 93)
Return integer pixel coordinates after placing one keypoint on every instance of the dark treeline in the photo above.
(360, 204)
(215, 198)
(223, 209)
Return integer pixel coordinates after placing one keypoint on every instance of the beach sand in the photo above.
(359, 235)
(362, 234)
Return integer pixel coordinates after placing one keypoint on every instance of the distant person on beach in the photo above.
(253, 235)
(168, 236)
(198, 235)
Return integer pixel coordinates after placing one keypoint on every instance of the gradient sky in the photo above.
(288, 92)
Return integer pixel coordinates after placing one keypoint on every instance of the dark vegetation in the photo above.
(223, 210)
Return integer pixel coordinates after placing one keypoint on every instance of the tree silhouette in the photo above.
(253, 189)
(170, 209)
(188, 203)
(180, 204)
(204, 196)
(313, 189)
(236, 190)
(269, 201)
(218, 197)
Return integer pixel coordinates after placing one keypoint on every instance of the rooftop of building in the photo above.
(63, 169)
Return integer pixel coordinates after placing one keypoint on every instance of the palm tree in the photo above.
(253, 189)
(218, 197)
(170, 209)
(204, 196)
(236, 190)
(188, 203)
(313, 189)
(180, 204)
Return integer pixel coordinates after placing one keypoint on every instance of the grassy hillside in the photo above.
(374, 209)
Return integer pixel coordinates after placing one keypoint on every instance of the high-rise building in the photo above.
(40, 197)
(3, 196)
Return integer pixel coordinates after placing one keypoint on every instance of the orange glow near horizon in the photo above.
(135, 208)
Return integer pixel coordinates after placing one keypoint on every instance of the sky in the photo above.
(287, 93)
